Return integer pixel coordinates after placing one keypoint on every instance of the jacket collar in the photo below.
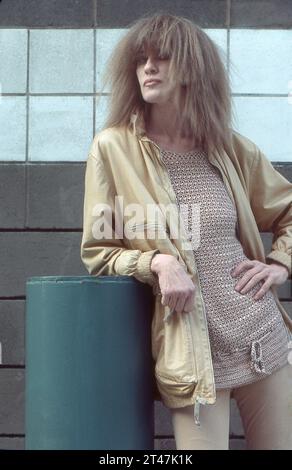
(138, 128)
(219, 159)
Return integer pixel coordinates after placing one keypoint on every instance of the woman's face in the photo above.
(151, 65)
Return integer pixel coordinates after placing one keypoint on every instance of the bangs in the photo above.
(158, 38)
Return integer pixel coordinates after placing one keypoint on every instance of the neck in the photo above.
(163, 126)
(163, 121)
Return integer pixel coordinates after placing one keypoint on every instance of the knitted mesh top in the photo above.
(248, 337)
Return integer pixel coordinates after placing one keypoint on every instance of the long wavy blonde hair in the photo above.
(196, 63)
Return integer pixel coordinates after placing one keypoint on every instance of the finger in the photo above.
(181, 303)
(243, 265)
(255, 274)
(243, 288)
(189, 303)
(171, 302)
(263, 290)
(250, 279)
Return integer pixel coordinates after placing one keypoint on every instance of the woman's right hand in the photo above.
(177, 288)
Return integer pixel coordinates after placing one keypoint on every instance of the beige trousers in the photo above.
(265, 407)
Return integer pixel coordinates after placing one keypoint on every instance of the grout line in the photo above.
(27, 94)
(47, 162)
(27, 133)
(228, 53)
(264, 95)
(12, 366)
(14, 298)
(94, 13)
(52, 94)
(41, 28)
(93, 94)
(45, 230)
(65, 163)
(94, 65)
(76, 28)
(228, 9)
(228, 13)
(94, 83)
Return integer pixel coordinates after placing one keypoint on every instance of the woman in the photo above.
(218, 328)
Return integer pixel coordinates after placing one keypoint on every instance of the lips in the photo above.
(151, 82)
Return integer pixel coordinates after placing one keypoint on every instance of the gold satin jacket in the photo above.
(123, 161)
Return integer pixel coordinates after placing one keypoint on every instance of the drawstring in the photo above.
(257, 357)
(199, 401)
(197, 413)
(256, 363)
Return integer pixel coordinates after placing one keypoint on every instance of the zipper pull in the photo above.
(197, 413)
(199, 401)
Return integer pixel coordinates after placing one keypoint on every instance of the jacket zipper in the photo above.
(186, 316)
(199, 399)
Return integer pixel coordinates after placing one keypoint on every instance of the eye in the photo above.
(163, 57)
(140, 59)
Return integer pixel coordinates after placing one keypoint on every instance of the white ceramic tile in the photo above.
(61, 61)
(100, 112)
(60, 128)
(13, 60)
(261, 60)
(219, 36)
(106, 40)
(267, 121)
(13, 128)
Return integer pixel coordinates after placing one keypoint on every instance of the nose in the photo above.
(150, 65)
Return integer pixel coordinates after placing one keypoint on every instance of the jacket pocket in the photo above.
(170, 387)
(175, 369)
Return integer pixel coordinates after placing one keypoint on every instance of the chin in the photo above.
(151, 99)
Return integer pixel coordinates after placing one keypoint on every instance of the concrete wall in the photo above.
(51, 56)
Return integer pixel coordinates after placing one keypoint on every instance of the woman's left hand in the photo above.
(273, 273)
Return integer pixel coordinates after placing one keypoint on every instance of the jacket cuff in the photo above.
(143, 271)
(282, 258)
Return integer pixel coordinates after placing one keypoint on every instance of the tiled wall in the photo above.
(51, 57)
(49, 78)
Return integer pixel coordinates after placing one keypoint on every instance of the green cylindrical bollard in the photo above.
(89, 370)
